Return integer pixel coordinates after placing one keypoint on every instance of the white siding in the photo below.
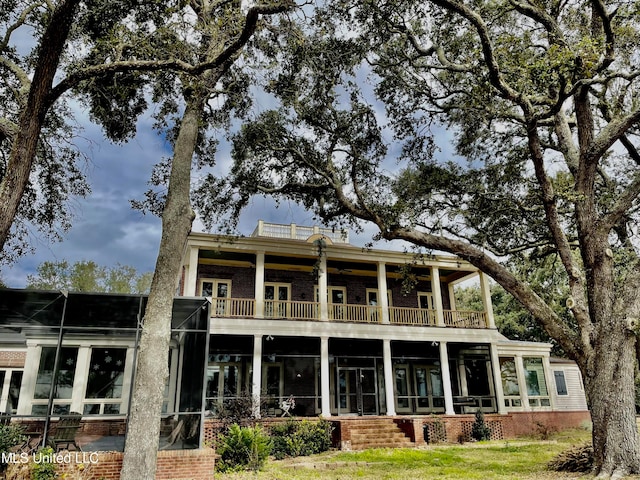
(575, 399)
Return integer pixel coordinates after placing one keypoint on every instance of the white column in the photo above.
(452, 295)
(437, 295)
(383, 300)
(485, 291)
(462, 375)
(32, 361)
(325, 391)
(83, 366)
(388, 377)
(548, 380)
(259, 286)
(191, 275)
(522, 383)
(497, 378)
(446, 379)
(256, 387)
(322, 288)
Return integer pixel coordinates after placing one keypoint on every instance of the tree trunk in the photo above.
(23, 149)
(609, 384)
(141, 447)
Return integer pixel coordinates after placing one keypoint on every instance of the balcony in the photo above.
(281, 309)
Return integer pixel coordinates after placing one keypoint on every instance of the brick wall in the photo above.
(242, 279)
(12, 358)
(525, 423)
(172, 464)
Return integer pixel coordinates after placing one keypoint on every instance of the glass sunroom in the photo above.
(74, 353)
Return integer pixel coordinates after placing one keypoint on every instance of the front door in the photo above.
(357, 391)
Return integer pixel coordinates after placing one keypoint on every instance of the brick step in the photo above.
(386, 438)
(377, 433)
(370, 431)
(362, 446)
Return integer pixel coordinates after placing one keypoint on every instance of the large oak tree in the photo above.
(540, 100)
(219, 34)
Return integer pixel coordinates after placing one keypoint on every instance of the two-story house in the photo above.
(299, 313)
(296, 321)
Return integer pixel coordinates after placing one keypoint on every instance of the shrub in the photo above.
(10, 436)
(479, 429)
(237, 410)
(243, 448)
(295, 439)
(43, 469)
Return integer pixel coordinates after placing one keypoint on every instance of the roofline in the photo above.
(286, 246)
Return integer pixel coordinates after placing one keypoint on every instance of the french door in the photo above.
(357, 391)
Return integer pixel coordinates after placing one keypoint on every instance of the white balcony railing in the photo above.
(285, 309)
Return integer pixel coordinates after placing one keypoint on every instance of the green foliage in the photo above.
(88, 276)
(243, 448)
(545, 275)
(236, 410)
(480, 430)
(301, 438)
(10, 436)
(43, 469)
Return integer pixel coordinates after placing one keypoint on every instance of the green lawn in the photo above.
(516, 460)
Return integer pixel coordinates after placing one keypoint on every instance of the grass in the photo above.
(524, 459)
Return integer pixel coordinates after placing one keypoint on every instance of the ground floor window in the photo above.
(10, 383)
(535, 381)
(63, 387)
(561, 383)
(105, 381)
(510, 385)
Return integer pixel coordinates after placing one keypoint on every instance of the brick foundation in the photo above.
(172, 464)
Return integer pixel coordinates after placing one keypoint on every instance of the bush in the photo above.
(295, 439)
(44, 470)
(243, 448)
(479, 429)
(10, 436)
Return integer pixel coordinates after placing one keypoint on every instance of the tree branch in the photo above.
(520, 290)
(251, 21)
(495, 75)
